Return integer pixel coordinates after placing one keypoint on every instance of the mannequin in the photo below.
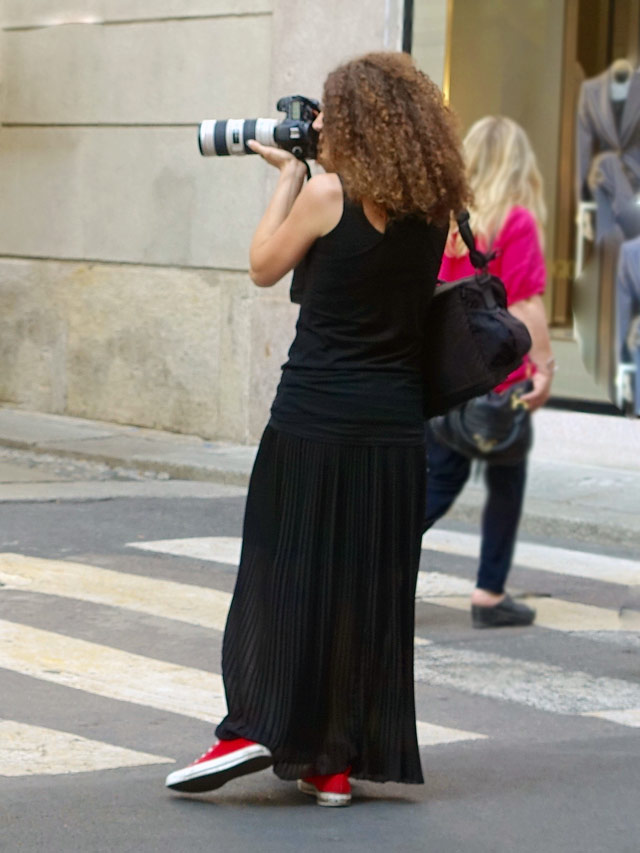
(608, 147)
(628, 311)
(621, 72)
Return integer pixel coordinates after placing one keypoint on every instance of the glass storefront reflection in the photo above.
(608, 148)
(567, 71)
(608, 186)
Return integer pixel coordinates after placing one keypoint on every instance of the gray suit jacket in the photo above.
(596, 126)
(628, 293)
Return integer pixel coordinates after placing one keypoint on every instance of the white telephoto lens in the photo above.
(234, 136)
(265, 128)
(218, 138)
(205, 138)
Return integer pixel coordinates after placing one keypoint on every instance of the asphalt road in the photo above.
(114, 589)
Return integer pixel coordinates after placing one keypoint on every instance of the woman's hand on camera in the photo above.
(277, 157)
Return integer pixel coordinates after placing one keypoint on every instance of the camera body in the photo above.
(225, 137)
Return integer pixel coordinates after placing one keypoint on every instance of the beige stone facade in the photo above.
(124, 293)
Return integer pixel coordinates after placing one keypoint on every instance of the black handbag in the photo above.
(495, 427)
(471, 342)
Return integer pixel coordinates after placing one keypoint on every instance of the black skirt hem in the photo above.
(318, 651)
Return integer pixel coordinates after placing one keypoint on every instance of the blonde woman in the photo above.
(508, 216)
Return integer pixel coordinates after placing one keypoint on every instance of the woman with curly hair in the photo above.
(318, 649)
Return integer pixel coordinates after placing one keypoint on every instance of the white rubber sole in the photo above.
(324, 798)
(209, 775)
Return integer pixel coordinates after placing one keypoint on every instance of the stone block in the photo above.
(169, 72)
(139, 195)
(32, 338)
(272, 331)
(234, 357)
(143, 346)
(310, 39)
(18, 13)
(156, 347)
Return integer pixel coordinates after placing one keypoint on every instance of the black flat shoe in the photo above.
(505, 614)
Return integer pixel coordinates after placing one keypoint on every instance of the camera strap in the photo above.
(298, 156)
(480, 260)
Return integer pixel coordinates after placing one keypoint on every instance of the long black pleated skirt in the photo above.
(318, 650)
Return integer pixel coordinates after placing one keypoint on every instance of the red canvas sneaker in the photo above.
(226, 760)
(331, 790)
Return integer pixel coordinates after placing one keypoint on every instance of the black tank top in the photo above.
(354, 368)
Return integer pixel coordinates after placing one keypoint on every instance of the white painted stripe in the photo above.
(630, 717)
(226, 549)
(127, 677)
(555, 614)
(179, 601)
(111, 673)
(196, 605)
(563, 561)
(544, 558)
(215, 549)
(436, 584)
(194, 693)
(433, 587)
(432, 735)
(33, 750)
(537, 685)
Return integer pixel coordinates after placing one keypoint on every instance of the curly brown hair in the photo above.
(390, 137)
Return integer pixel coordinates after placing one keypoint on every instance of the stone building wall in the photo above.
(124, 293)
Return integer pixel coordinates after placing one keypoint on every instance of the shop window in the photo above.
(554, 66)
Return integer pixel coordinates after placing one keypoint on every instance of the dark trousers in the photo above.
(448, 471)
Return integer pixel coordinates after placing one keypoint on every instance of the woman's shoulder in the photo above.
(519, 221)
(324, 187)
(321, 202)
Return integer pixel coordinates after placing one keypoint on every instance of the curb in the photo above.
(175, 470)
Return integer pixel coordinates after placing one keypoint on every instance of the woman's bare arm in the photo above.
(295, 217)
(531, 312)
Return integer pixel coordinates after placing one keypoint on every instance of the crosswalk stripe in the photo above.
(110, 672)
(436, 584)
(563, 561)
(545, 558)
(169, 599)
(215, 549)
(195, 605)
(128, 677)
(226, 549)
(432, 735)
(33, 750)
(433, 587)
(553, 613)
(538, 685)
(181, 690)
(629, 717)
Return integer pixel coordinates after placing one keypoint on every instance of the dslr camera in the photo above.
(223, 137)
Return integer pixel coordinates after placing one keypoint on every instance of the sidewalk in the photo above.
(584, 479)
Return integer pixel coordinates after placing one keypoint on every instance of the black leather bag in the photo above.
(495, 427)
(472, 343)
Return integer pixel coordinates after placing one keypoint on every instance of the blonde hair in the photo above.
(503, 172)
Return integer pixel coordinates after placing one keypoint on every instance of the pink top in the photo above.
(520, 265)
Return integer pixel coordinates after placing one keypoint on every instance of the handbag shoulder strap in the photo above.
(480, 260)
